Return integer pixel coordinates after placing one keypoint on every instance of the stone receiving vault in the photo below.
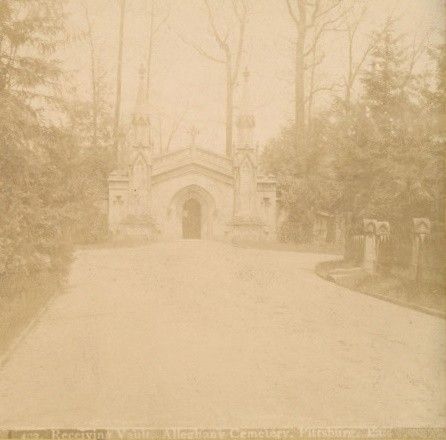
(192, 192)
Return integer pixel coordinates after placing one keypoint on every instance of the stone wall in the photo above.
(417, 255)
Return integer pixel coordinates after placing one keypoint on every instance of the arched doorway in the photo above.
(192, 219)
(179, 215)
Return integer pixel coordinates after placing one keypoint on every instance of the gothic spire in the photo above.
(141, 107)
(141, 120)
(245, 104)
(245, 120)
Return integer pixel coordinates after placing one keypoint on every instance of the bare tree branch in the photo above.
(163, 20)
(160, 134)
(94, 79)
(153, 30)
(176, 124)
(416, 51)
(354, 67)
(324, 27)
(328, 88)
(315, 62)
(231, 58)
(316, 7)
(315, 18)
(122, 10)
(333, 6)
(220, 40)
(242, 25)
(201, 51)
(292, 13)
(361, 61)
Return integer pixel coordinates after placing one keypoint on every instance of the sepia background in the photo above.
(190, 87)
(337, 320)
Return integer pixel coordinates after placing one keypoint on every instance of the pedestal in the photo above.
(138, 229)
(248, 230)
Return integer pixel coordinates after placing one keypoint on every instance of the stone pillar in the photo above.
(140, 163)
(245, 160)
(370, 254)
(383, 254)
(245, 186)
(421, 230)
(139, 185)
(355, 248)
(246, 222)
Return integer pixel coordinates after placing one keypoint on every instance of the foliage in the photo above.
(305, 178)
(386, 159)
(90, 166)
(46, 179)
(379, 157)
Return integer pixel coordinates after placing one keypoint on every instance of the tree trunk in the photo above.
(299, 89)
(149, 55)
(229, 107)
(311, 93)
(119, 82)
(94, 90)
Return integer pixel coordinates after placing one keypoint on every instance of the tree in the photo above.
(353, 22)
(155, 25)
(116, 134)
(380, 158)
(31, 231)
(47, 187)
(306, 183)
(308, 17)
(229, 57)
(97, 111)
(383, 145)
(169, 127)
(94, 78)
(434, 100)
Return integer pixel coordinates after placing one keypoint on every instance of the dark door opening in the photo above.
(192, 219)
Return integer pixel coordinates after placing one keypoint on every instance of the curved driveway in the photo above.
(204, 334)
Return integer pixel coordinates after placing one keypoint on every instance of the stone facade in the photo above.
(192, 192)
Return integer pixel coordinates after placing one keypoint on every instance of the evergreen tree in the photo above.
(381, 159)
(384, 150)
(305, 179)
(434, 100)
(46, 184)
(28, 34)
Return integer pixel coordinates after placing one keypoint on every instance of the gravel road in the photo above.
(205, 334)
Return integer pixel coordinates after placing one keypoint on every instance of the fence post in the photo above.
(421, 229)
(359, 248)
(369, 259)
(382, 245)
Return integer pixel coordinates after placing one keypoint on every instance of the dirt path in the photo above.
(203, 334)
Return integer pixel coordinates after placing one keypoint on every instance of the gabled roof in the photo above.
(200, 158)
(193, 161)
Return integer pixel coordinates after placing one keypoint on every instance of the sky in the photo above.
(189, 87)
